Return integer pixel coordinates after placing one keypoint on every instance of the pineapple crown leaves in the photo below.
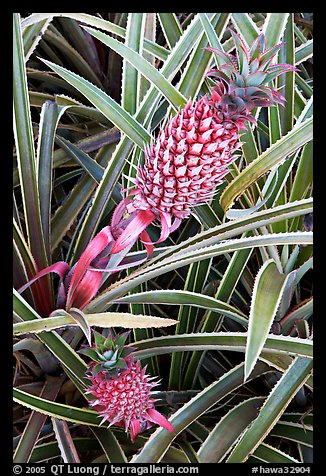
(109, 353)
(241, 81)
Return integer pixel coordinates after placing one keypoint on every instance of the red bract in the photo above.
(79, 284)
(84, 283)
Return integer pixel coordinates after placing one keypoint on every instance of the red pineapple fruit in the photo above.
(192, 153)
(122, 389)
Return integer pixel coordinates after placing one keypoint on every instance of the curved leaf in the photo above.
(160, 440)
(58, 410)
(269, 454)
(33, 34)
(26, 160)
(237, 227)
(212, 37)
(234, 213)
(76, 60)
(273, 28)
(298, 432)
(171, 27)
(304, 52)
(105, 320)
(177, 297)
(303, 311)
(235, 341)
(190, 255)
(274, 406)
(65, 442)
(130, 84)
(110, 445)
(286, 82)
(55, 343)
(266, 297)
(49, 119)
(104, 103)
(88, 164)
(245, 27)
(35, 423)
(153, 48)
(175, 98)
(228, 429)
(269, 159)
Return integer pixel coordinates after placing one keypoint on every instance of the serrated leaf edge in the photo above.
(276, 419)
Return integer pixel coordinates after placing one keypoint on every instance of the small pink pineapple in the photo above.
(121, 388)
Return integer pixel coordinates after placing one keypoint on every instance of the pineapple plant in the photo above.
(75, 214)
